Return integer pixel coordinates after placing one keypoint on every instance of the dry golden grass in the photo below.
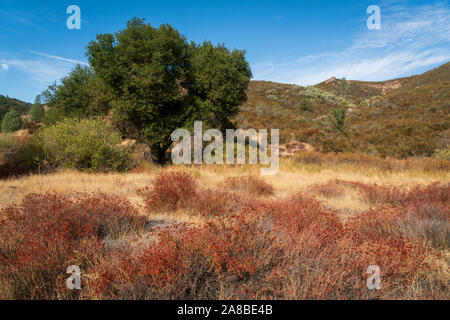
(290, 179)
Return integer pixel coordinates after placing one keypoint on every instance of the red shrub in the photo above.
(46, 233)
(249, 184)
(421, 215)
(289, 248)
(170, 190)
(330, 189)
(210, 204)
(372, 193)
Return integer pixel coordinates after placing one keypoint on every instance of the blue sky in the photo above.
(302, 42)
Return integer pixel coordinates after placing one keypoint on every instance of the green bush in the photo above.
(301, 119)
(52, 116)
(37, 112)
(18, 156)
(11, 121)
(28, 155)
(306, 105)
(337, 119)
(88, 144)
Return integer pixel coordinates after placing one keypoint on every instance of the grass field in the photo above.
(224, 232)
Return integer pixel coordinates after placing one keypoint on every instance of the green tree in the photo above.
(343, 87)
(37, 110)
(160, 83)
(11, 121)
(219, 82)
(79, 95)
(338, 120)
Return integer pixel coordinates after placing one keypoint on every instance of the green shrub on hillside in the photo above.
(11, 121)
(37, 112)
(337, 119)
(306, 105)
(88, 144)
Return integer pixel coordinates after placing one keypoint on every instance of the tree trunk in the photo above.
(159, 153)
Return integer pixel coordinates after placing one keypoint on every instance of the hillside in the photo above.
(401, 117)
(7, 104)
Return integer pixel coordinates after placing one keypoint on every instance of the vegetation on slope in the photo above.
(398, 118)
(9, 104)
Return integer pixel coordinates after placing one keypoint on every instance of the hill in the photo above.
(7, 104)
(399, 118)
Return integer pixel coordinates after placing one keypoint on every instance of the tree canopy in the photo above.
(11, 121)
(37, 110)
(79, 95)
(159, 82)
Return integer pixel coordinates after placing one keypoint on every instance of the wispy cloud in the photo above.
(411, 38)
(57, 58)
(41, 70)
(38, 71)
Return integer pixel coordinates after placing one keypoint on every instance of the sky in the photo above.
(289, 41)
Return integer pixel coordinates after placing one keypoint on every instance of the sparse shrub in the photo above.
(171, 190)
(306, 105)
(337, 119)
(88, 144)
(249, 184)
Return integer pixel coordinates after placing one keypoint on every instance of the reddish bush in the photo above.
(330, 189)
(43, 235)
(372, 193)
(421, 215)
(210, 204)
(290, 248)
(249, 184)
(171, 190)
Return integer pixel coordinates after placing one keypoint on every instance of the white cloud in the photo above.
(411, 37)
(58, 58)
(43, 70)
